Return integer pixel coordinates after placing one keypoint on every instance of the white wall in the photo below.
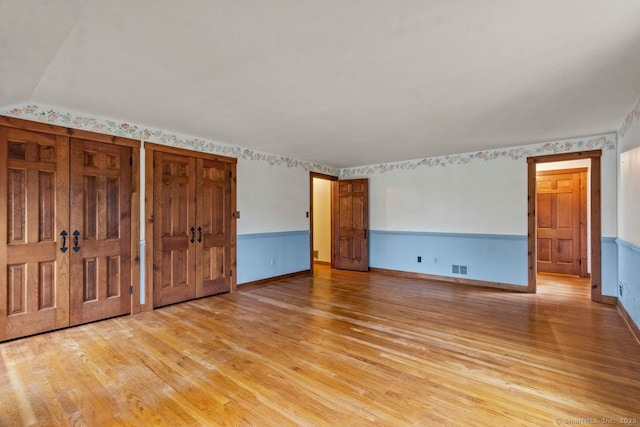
(271, 198)
(569, 164)
(629, 229)
(629, 179)
(478, 197)
(322, 219)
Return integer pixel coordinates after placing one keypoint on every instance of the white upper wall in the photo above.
(271, 198)
(629, 178)
(476, 197)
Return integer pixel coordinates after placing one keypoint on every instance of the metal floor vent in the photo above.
(462, 270)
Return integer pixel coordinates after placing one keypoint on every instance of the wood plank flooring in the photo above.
(341, 348)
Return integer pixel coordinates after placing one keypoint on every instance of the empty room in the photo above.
(328, 213)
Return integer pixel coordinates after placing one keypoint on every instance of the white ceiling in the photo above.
(340, 82)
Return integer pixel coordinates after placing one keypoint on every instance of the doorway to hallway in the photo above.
(546, 245)
(321, 219)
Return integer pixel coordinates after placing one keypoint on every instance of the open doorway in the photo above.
(321, 219)
(562, 227)
(540, 245)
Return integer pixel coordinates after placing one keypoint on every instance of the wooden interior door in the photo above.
(34, 179)
(558, 216)
(213, 227)
(351, 223)
(174, 233)
(100, 228)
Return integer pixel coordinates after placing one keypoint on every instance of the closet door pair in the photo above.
(65, 243)
(192, 224)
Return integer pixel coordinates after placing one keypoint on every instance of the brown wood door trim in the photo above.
(595, 209)
(189, 153)
(318, 175)
(67, 132)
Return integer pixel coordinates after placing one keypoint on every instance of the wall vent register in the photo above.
(462, 270)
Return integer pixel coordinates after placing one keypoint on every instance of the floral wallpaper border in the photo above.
(129, 130)
(632, 117)
(605, 142)
(112, 127)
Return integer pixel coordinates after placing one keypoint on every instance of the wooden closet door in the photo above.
(214, 227)
(100, 231)
(351, 223)
(558, 222)
(34, 177)
(174, 231)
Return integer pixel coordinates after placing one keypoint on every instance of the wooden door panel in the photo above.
(565, 251)
(565, 211)
(174, 270)
(100, 238)
(214, 226)
(544, 211)
(351, 224)
(544, 249)
(558, 222)
(34, 195)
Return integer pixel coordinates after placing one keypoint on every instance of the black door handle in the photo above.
(64, 248)
(200, 234)
(193, 234)
(76, 235)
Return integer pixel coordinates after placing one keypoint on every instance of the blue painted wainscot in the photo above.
(609, 266)
(489, 257)
(629, 278)
(265, 255)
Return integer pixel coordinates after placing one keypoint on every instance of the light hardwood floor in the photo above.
(341, 348)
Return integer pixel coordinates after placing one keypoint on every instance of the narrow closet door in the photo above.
(214, 226)
(351, 223)
(34, 177)
(100, 231)
(174, 231)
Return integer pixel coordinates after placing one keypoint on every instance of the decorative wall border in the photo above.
(74, 120)
(605, 142)
(632, 117)
(45, 114)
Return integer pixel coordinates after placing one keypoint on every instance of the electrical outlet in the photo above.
(419, 259)
(273, 262)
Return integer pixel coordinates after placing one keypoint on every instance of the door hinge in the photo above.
(130, 290)
(130, 161)
(230, 174)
